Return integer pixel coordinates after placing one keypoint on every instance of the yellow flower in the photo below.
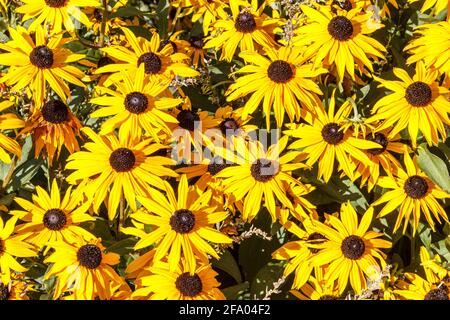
(55, 13)
(414, 287)
(280, 82)
(84, 269)
(339, 39)
(418, 104)
(183, 225)
(180, 284)
(351, 249)
(114, 167)
(7, 122)
(135, 106)
(258, 173)
(35, 63)
(50, 218)
(414, 193)
(12, 246)
(249, 28)
(160, 64)
(52, 127)
(323, 139)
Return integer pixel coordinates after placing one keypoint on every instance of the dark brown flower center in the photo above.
(122, 159)
(55, 3)
(42, 57)
(89, 256)
(104, 61)
(152, 63)
(55, 111)
(416, 187)
(418, 94)
(264, 170)
(332, 134)
(136, 102)
(353, 247)
(245, 22)
(315, 238)
(440, 293)
(98, 14)
(189, 285)
(280, 71)
(182, 221)
(340, 28)
(381, 140)
(217, 164)
(54, 219)
(165, 43)
(196, 42)
(328, 297)
(229, 126)
(187, 119)
(4, 292)
(344, 5)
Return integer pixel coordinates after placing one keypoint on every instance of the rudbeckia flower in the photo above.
(84, 269)
(183, 225)
(7, 122)
(56, 13)
(33, 63)
(414, 193)
(112, 168)
(351, 250)
(418, 103)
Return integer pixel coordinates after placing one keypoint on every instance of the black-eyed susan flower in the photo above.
(324, 140)
(280, 82)
(196, 51)
(12, 246)
(339, 39)
(160, 64)
(249, 28)
(96, 14)
(258, 173)
(382, 159)
(56, 13)
(9, 121)
(51, 218)
(179, 284)
(183, 224)
(302, 208)
(315, 289)
(297, 253)
(431, 45)
(53, 126)
(84, 269)
(352, 250)
(413, 193)
(34, 63)
(414, 287)
(136, 107)
(115, 167)
(417, 103)
(16, 289)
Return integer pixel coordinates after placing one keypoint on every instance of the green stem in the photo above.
(101, 41)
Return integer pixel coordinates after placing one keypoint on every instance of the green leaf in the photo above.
(434, 167)
(264, 280)
(233, 292)
(129, 12)
(163, 18)
(228, 264)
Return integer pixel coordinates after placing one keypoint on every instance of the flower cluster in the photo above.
(224, 149)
